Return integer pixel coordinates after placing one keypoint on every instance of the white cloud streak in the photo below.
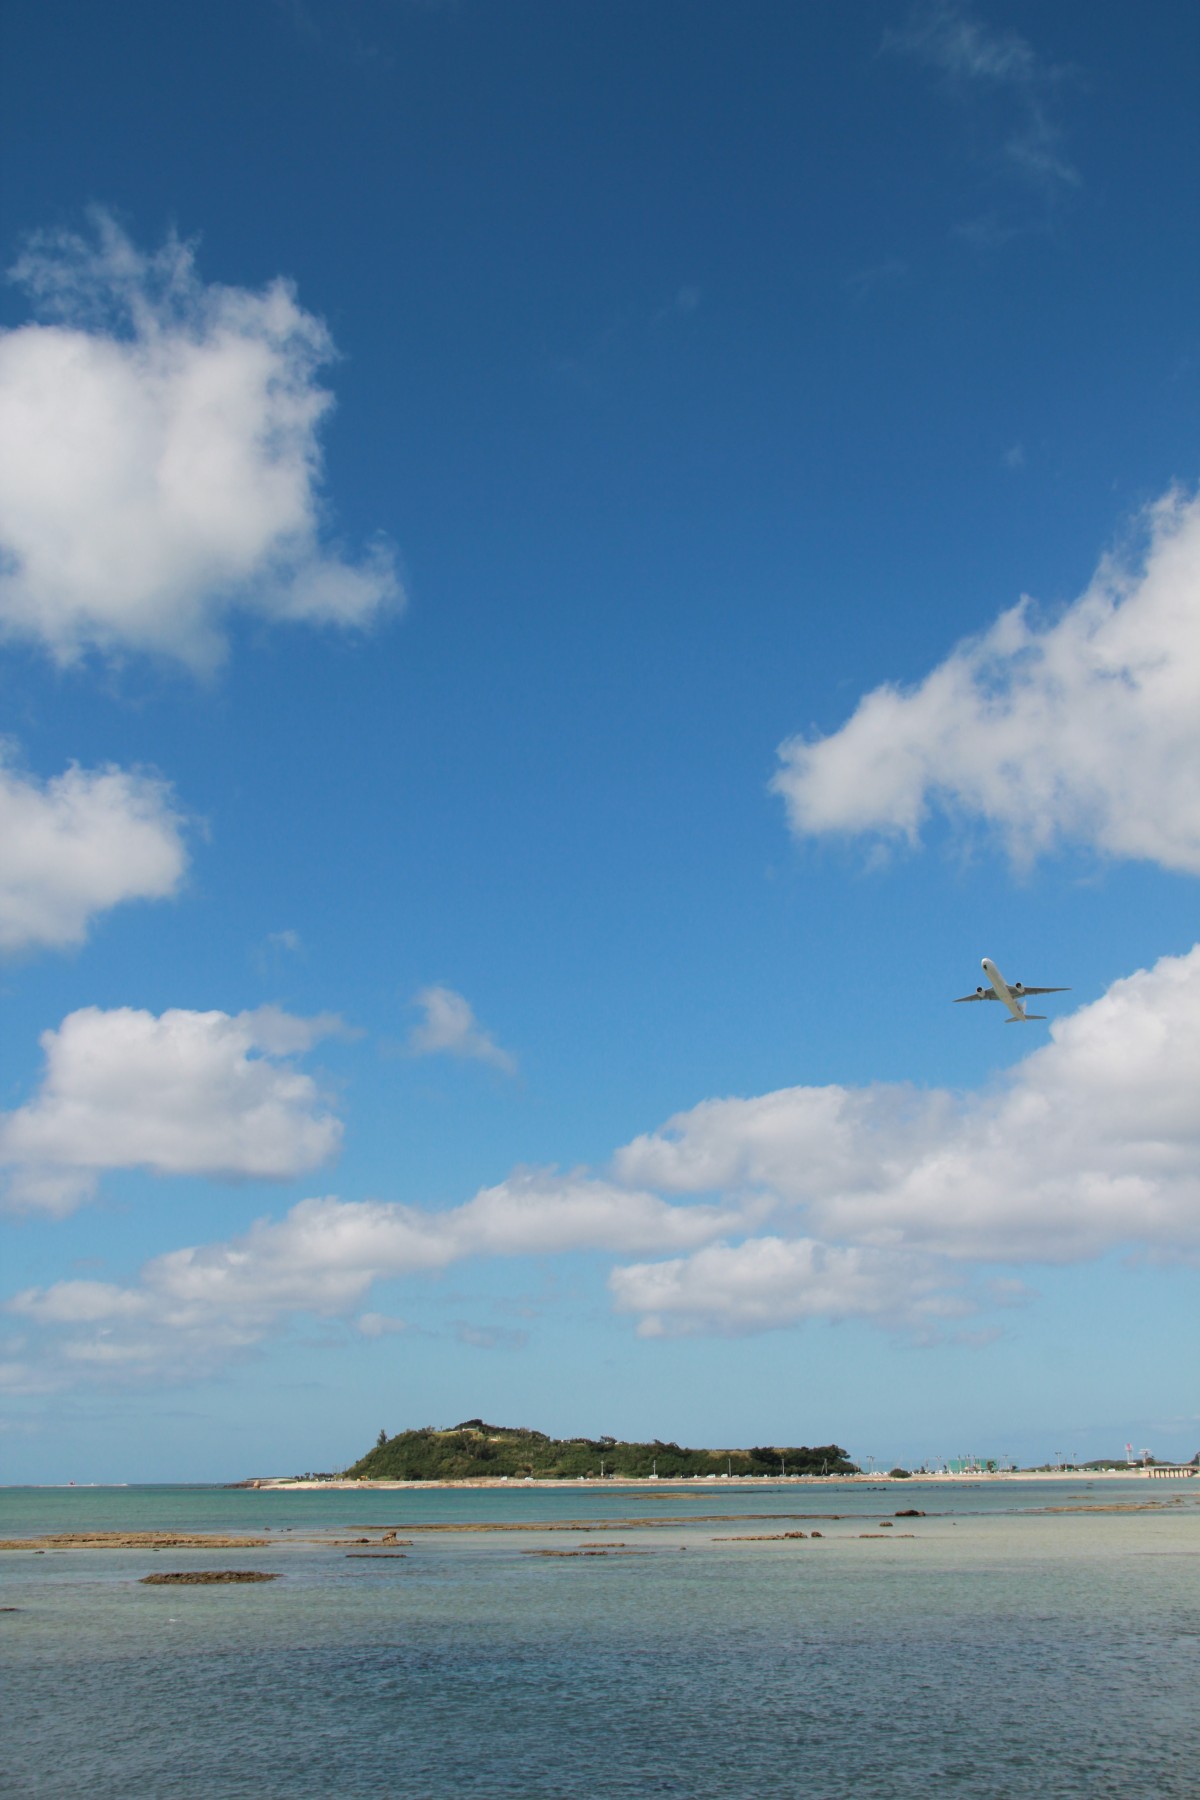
(79, 844)
(450, 1028)
(951, 39)
(1091, 1145)
(159, 458)
(377, 1325)
(184, 1093)
(1085, 729)
(192, 1308)
(885, 1204)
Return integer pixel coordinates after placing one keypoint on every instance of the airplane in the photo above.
(1013, 997)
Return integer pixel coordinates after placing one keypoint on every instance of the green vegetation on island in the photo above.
(474, 1450)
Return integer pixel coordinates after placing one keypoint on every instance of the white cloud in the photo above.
(1085, 729)
(375, 1325)
(769, 1282)
(450, 1028)
(1091, 1145)
(79, 844)
(192, 1308)
(185, 1093)
(159, 458)
(542, 1213)
(900, 1206)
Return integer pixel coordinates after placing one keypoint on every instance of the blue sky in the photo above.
(520, 718)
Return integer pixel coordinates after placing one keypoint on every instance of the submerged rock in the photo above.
(205, 1577)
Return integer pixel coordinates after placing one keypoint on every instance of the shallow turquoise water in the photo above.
(998, 1651)
(29, 1510)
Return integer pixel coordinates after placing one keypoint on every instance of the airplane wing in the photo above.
(989, 994)
(1029, 990)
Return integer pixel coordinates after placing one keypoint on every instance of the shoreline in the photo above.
(703, 1484)
(692, 1487)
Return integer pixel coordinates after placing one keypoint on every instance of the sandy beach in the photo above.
(699, 1484)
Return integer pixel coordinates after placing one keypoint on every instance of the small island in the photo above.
(476, 1451)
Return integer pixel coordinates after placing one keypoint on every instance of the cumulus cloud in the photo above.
(450, 1028)
(78, 844)
(192, 1308)
(159, 458)
(183, 1093)
(1083, 729)
(1092, 1144)
(768, 1282)
(905, 1207)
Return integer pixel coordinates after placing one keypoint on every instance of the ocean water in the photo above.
(992, 1648)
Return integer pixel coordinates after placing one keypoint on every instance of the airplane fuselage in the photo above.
(1003, 992)
(1013, 998)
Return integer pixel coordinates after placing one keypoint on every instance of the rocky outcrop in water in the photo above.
(204, 1577)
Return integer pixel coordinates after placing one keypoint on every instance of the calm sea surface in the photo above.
(1001, 1650)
